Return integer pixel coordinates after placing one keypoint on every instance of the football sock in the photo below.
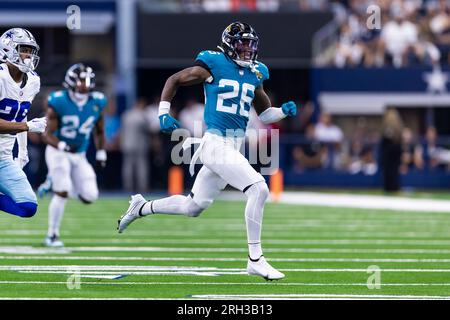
(257, 195)
(176, 205)
(55, 214)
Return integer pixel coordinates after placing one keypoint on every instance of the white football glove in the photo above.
(100, 158)
(22, 160)
(37, 125)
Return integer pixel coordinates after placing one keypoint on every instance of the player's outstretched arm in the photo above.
(186, 77)
(52, 125)
(12, 127)
(269, 114)
(35, 125)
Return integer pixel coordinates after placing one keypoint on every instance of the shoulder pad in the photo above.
(99, 98)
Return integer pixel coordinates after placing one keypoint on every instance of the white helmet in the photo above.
(10, 47)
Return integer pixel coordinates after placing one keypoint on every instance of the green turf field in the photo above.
(324, 252)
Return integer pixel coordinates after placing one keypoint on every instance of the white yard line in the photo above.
(355, 201)
(92, 269)
(365, 201)
(112, 258)
(281, 284)
(316, 296)
(425, 242)
(33, 250)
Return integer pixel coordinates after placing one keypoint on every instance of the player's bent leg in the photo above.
(207, 187)
(257, 194)
(175, 205)
(257, 265)
(89, 192)
(240, 174)
(20, 209)
(85, 181)
(17, 196)
(59, 173)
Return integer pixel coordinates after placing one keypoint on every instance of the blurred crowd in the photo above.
(239, 5)
(324, 146)
(411, 32)
(314, 145)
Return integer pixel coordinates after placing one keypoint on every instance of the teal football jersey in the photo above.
(230, 92)
(75, 123)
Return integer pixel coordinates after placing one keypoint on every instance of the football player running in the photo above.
(233, 81)
(72, 115)
(19, 84)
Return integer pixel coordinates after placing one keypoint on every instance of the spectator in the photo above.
(135, 147)
(311, 153)
(391, 150)
(349, 50)
(330, 135)
(435, 156)
(363, 160)
(326, 131)
(411, 155)
(398, 37)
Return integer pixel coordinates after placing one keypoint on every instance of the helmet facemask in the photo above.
(246, 51)
(31, 61)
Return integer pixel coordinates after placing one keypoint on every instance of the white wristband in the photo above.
(164, 107)
(101, 155)
(271, 115)
(62, 145)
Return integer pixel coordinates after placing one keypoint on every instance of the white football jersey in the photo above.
(15, 103)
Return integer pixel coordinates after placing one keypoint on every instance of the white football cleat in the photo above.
(133, 212)
(53, 241)
(263, 269)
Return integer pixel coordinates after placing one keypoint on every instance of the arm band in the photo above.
(271, 115)
(164, 108)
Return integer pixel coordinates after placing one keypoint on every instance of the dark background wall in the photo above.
(173, 40)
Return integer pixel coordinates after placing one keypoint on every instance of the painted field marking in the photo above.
(134, 269)
(316, 296)
(112, 258)
(281, 284)
(66, 250)
(240, 241)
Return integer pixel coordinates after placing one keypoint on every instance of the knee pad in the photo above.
(26, 209)
(193, 209)
(258, 189)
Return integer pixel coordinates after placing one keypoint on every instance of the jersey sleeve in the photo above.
(262, 68)
(205, 58)
(54, 99)
(100, 99)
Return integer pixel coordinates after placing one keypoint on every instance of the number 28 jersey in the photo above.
(229, 92)
(75, 123)
(15, 102)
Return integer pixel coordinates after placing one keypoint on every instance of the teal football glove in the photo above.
(289, 108)
(168, 123)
